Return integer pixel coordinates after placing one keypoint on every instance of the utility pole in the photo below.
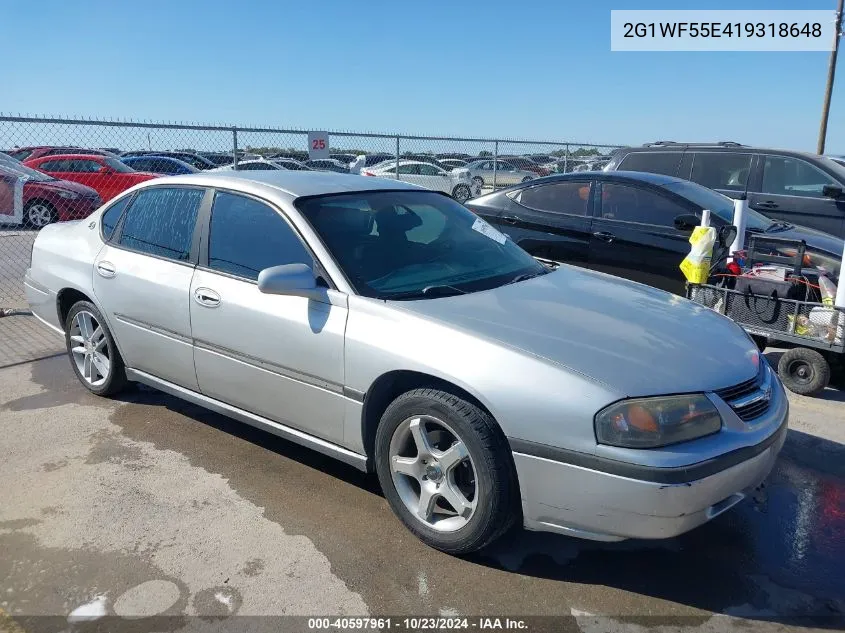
(831, 73)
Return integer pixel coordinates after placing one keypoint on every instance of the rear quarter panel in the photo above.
(62, 257)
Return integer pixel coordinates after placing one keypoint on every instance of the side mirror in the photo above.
(288, 279)
(107, 171)
(726, 235)
(832, 191)
(687, 221)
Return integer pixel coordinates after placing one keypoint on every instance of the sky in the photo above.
(495, 68)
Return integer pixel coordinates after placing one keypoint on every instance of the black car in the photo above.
(630, 224)
(799, 187)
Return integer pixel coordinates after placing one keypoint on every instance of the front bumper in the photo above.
(580, 501)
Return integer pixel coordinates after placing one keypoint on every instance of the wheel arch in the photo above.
(390, 385)
(68, 296)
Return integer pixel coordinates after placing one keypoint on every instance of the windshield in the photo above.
(718, 204)
(117, 165)
(414, 244)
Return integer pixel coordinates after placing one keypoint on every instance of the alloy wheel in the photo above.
(39, 215)
(433, 473)
(90, 348)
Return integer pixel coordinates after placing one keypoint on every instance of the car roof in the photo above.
(50, 157)
(296, 184)
(639, 176)
(723, 147)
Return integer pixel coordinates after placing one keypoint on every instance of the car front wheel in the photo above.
(39, 214)
(446, 470)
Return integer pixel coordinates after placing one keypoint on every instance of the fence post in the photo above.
(397, 157)
(566, 160)
(235, 147)
(495, 162)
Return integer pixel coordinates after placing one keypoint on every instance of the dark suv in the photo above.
(806, 189)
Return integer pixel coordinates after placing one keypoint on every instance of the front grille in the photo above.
(749, 399)
(737, 391)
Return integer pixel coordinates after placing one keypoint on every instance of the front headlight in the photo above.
(654, 422)
(68, 195)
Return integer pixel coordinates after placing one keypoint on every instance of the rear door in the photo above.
(790, 188)
(142, 279)
(551, 220)
(634, 235)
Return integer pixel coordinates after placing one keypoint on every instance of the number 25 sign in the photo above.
(318, 145)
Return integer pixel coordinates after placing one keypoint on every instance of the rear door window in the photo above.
(161, 222)
(721, 170)
(559, 197)
(665, 163)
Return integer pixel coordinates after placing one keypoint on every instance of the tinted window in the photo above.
(21, 154)
(654, 162)
(115, 164)
(81, 166)
(721, 170)
(142, 164)
(561, 197)
(161, 221)
(111, 216)
(632, 204)
(793, 177)
(255, 167)
(407, 169)
(248, 236)
(55, 165)
(429, 170)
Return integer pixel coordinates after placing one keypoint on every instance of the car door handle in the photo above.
(604, 236)
(510, 219)
(768, 204)
(106, 269)
(207, 297)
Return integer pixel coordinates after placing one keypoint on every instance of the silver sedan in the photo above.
(481, 172)
(389, 327)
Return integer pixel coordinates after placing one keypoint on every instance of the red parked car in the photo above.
(37, 151)
(105, 174)
(45, 199)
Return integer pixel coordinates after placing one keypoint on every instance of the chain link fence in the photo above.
(55, 170)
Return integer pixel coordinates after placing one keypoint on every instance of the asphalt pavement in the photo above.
(149, 506)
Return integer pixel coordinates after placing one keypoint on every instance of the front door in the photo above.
(791, 189)
(633, 236)
(277, 356)
(142, 279)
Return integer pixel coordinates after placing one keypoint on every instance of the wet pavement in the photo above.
(153, 506)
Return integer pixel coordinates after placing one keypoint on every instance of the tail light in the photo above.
(367, 173)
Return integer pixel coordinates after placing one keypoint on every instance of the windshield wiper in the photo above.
(439, 290)
(526, 276)
(779, 225)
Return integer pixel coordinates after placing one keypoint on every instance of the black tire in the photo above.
(478, 181)
(496, 488)
(760, 341)
(462, 193)
(527, 179)
(804, 371)
(42, 212)
(116, 381)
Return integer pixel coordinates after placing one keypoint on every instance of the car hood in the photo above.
(816, 240)
(632, 338)
(65, 185)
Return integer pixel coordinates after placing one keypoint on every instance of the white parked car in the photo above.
(456, 183)
(251, 165)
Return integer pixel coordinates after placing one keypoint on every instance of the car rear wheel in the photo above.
(446, 470)
(527, 179)
(93, 354)
(38, 214)
(461, 193)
